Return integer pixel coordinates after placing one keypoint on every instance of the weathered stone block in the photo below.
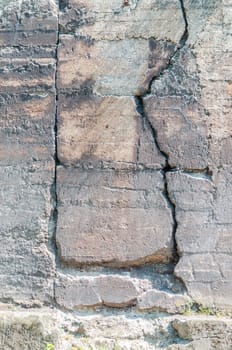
(109, 290)
(27, 170)
(194, 195)
(223, 210)
(162, 301)
(191, 191)
(28, 22)
(116, 20)
(104, 129)
(27, 264)
(121, 67)
(175, 112)
(197, 328)
(202, 213)
(22, 75)
(123, 211)
(207, 279)
(26, 130)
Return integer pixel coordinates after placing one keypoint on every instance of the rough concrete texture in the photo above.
(42, 330)
(115, 173)
(27, 146)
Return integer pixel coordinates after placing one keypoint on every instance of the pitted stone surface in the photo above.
(112, 217)
(108, 290)
(216, 332)
(28, 22)
(115, 152)
(175, 112)
(162, 301)
(119, 19)
(203, 207)
(27, 146)
(27, 170)
(104, 129)
(23, 329)
(120, 67)
(205, 261)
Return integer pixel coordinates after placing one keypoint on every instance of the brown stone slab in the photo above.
(121, 68)
(116, 20)
(20, 75)
(26, 127)
(108, 129)
(112, 218)
(108, 290)
(175, 111)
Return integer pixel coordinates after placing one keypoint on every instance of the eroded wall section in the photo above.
(115, 154)
(28, 36)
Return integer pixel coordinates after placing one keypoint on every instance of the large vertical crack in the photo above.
(185, 35)
(54, 214)
(139, 100)
(55, 132)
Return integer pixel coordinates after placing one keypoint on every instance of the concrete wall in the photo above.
(115, 172)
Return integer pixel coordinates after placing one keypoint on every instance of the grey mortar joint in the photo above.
(139, 100)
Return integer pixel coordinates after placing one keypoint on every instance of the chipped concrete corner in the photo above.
(116, 178)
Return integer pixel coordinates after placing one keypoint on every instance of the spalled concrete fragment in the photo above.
(162, 301)
(28, 22)
(121, 68)
(114, 20)
(108, 290)
(103, 129)
(112, 217)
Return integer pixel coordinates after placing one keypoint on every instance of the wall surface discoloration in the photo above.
(115, 164)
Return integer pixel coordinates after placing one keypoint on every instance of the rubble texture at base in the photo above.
(115, 174)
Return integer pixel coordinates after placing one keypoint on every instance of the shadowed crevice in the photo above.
(139, 100)
(54, 213)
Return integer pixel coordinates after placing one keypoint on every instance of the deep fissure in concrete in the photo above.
(56, 159)
(139, 100)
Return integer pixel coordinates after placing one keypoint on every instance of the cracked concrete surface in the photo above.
(115, 157)
(172, 136)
